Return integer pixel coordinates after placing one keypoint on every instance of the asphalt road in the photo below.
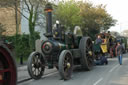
(111, 74)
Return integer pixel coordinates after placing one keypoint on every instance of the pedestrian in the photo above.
(119, 52)
(101, 61)
(98, 40)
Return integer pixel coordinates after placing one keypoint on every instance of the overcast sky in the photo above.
(119, 10)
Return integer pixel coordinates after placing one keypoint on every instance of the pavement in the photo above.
(111, 74)
(23, 73)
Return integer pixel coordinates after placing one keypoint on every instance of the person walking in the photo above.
(119, 52)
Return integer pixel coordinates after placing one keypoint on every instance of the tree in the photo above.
(89, 17)
(95, 17)
(16, 16)
(33, 8)
(68, 14)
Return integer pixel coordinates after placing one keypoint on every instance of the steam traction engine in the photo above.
(61, 50)
(8, 75)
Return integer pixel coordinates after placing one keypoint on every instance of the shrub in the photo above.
(21, 44)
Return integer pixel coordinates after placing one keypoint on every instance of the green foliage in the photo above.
(89, 17)
(95, 17)
(21, 46)
(33, 7)
(68, 14)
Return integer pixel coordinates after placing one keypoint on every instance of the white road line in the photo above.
(114, 68)
(98, 81)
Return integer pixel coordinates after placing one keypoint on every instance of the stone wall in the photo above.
(7, 18)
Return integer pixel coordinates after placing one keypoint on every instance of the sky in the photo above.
(118, 10)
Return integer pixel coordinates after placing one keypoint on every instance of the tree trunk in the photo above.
(32, 22)
(17, 26)
(16, 16)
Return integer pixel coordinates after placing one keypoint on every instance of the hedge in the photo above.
(21, 44)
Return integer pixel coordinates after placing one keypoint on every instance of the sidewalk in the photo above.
(23, 73)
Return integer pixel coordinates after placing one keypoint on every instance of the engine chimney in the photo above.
(48, 9)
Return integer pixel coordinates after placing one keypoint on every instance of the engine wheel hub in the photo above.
(68, 65)
(90, 53)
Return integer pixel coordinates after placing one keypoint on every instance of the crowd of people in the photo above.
(116, 48)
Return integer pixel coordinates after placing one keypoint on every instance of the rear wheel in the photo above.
(36, 65)
(86, 48)
(65, 64)
(8, 72)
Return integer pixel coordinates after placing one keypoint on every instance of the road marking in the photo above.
(114, 68)
(98, 81)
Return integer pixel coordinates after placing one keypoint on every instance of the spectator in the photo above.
(119, 52)
(98, 40)
(101, 61)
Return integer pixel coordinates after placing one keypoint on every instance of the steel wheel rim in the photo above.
(67, 69)
(7, 68)
(37, 66)
(89, 48)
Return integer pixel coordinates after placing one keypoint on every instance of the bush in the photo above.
(21, 44)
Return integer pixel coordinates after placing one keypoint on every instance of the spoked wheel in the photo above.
(36, 65)
(8, 72)
(86, 48)
(65, 64)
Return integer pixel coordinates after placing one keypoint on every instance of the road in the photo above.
(111, 74)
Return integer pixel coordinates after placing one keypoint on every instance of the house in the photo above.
(7, 18)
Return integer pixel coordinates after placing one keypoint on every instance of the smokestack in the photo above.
(48, 9)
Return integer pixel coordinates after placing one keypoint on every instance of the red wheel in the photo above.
(8, 74)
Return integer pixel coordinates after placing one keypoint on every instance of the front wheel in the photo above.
(36, 65)
(65, 64)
